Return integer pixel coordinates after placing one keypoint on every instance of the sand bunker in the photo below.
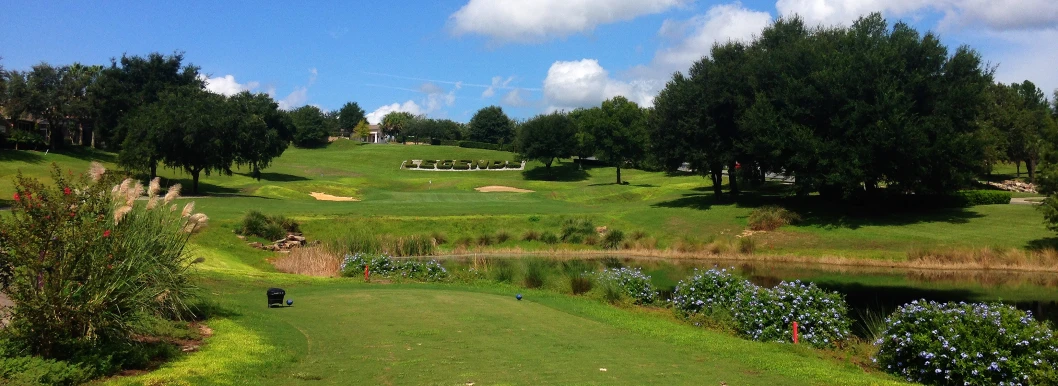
(328, 197)
(508, 189)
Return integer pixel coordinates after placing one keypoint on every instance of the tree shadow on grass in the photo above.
(565, 172)
(85, 153)
(816, 211)
(1044, 243)
(27, 156)
(276, 177)
(204, 188)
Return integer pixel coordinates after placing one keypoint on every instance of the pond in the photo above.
(867, 289)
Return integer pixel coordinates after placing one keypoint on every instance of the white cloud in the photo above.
(295, 99)
(996, 15)
(696, 36)
(410, 106)
(515, 98)
(585, 83)
(1028, 55)
(538, 20)
(227, 86)
(497, 83)
(312, 77)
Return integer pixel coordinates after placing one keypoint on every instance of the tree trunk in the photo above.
(154, 169)
(257, 172)
(1030, 166)
(55, 139)
(618, 173)
(732, 177)
(80, 129)
(547, 166)
(194, 179)
(716, 172)
(1017, 164)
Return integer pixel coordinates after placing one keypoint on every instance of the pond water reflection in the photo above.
(865, 288)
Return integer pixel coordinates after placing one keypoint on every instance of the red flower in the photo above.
(66, 191)
(17, 197)
(106, 233)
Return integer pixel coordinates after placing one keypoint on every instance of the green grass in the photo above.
(344, 332)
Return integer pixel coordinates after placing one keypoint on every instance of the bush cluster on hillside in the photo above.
(462, 164)
(769, 218)
(269, 227)
(961, 343)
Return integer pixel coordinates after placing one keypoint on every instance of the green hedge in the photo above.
(428, 164)
(982, 197)
(486, 146)
(409, 164)
(513, 164)
(461, 165)
(497, 164)
(449, 142)
(445, 165)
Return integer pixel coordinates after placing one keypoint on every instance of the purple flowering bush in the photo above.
(967, 343)
(709, 291)
(353, 265)
(633, 282)
(767, 314)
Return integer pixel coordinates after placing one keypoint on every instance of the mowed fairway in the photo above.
(339, 332)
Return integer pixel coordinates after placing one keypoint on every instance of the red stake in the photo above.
(367, 273)
(795, 332)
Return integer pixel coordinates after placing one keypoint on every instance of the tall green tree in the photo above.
(349, 116)
(133, 82)
(362, 130)
(546, 137)
(263, 130)
(619, 127)
(491, 125)
(45, 86)
(394, 123)
(310, 126)
(78, 99)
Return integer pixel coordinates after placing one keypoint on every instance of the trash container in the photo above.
(275, 296)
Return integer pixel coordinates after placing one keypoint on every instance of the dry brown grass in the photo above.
(311, 261)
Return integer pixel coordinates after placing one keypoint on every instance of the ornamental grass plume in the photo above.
(155, 187)
(172, 194)
(96, 171)
(188, 209)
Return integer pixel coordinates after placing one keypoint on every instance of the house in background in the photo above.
(376, 135)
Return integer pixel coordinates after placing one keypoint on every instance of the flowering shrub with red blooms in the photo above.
(82, 262)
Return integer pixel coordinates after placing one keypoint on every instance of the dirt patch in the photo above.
(506, 189)
(327, 197)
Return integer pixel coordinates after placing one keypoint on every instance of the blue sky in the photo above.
(446, 59)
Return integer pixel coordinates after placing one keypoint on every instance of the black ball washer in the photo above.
(275, 297)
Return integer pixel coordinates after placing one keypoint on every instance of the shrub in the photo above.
(579, 274)
(967, 343)
(481, 164)
(612, 292)
(549, 238)
(439, 238)
(503, 271)
(747, 245)
(502, 237)
(26, 370)
(409, 164)
(632, 281)
(638, 235)
(765, 314)
(613, 239)
(84, 263)
(486, 239)
(464, 242)
(769, 218)
(428, 164)
(514, 165)
(386, 266)
(461, 165)
(709, 291)
(446, 165)
(448, 142)
(981, 197)
(575, 229)
(268, 227)
(479, 145)
(497, 164)
(362, 241)
(592, 239)
(530, 235)
(536, 272)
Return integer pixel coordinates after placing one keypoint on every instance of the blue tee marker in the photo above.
(518, 296)
(290, 302)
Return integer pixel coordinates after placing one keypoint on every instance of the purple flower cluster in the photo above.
(967, 343)
(768, 314)
(709, 291)
(635, 283)
(387, 266)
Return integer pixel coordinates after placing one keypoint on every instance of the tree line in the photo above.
(863, 110)
(154, 110)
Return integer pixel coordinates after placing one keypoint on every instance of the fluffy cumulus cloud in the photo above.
(410, 106)
(227, 86)
(996, 15)
(694, 37)
(539, 20)
(585, 83)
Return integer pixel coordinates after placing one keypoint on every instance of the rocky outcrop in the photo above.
(1014, 186)
(293, 240)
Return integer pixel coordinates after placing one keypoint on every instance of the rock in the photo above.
(256, 245)
(241, 237)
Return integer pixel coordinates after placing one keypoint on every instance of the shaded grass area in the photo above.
(343, 332)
